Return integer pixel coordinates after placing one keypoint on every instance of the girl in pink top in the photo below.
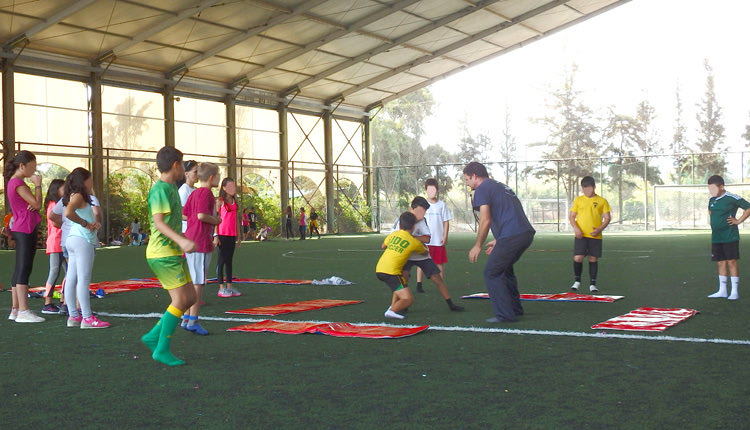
(226, 237)
(53, 248)
(25, 207)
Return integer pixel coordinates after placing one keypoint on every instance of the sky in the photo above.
(640, 50)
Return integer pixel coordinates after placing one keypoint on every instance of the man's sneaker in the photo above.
(51, 309)
(233, 292)
(93, 322)
(28, 317)
(13, 314)
(197, 329)
(575, 286)
(224, 293)
(75, 321)
(593, 288)
(390, 314)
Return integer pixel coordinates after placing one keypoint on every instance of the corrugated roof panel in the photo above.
(346, 11)
(553, 18)
(396, 25)
(437, 39)
(434, 10)
(396, 57)
(510, 38)
(352, 45)
(299, 30)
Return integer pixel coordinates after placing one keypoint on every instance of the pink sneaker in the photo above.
(75, 321)
(93, 322)
(224, 293)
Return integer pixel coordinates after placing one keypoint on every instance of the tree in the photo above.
(508, 148)
(710, 132)
(129, 124)
(396, 134)
(472, 148)
(573, 133)
(678, 146)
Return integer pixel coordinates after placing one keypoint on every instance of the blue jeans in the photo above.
(500, 279)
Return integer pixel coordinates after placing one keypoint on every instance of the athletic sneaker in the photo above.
(575, 286)
(13, 314)
(593, 288)
(233, 292)
(224, 293)
(75, 321)
(28, 316)
(33, 295)
(93, 322)
(390, 314)
(51, 309)
(197, 329)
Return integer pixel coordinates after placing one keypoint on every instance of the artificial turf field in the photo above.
(55, 377)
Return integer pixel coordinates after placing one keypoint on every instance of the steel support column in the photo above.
(367, 156)
(283, 162)
(97, 145)
(232, 141)
(168, 115)
(9, 122)
(328, 145)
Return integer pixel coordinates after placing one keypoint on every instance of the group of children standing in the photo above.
(303, 224)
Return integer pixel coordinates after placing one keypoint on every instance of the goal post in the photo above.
(685, 207)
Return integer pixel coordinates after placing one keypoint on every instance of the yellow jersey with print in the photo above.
(399, 245)
(164, 199)
(589, 211)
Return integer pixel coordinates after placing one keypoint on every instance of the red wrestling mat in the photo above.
(331, 329)
(561, 297)
(110, 287)
(647, 319)
(286, 308)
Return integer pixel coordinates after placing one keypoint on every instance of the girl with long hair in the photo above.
(80, 243)
(227, 234)
(24, 205)
(54, 247)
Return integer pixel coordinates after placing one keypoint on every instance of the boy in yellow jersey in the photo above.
(398, 246)
(164, 253)
(589, 216)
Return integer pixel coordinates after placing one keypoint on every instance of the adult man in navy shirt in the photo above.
(501, 211)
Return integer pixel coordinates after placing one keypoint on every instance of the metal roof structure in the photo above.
(322, 54)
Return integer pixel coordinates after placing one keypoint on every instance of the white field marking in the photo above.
(597, 335)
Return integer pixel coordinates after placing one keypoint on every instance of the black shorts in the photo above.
(725, 251)
(253, 225)
(588, 246)
(245, 228)
(428, 266)
(394, 282)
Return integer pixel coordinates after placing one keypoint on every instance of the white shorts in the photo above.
(198, 265)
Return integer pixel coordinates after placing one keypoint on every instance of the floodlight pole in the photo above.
(9, 121)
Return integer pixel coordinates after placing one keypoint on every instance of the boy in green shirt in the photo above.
(725, 236)
(165, 253)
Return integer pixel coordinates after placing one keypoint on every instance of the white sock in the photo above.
(722, 288)
(735, 287)
(723, 283)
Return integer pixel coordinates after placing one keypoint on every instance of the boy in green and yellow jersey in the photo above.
(589, 216)
(165, 253)
(398, 246)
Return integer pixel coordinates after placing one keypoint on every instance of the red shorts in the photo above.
(438, 254)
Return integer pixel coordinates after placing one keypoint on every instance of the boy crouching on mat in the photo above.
(589, 216)
(164, 253)
(200, 211)
(398, 247)
(725, 236)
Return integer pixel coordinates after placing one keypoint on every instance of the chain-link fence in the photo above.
(547, 188)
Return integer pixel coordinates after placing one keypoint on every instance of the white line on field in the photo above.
(597, 335)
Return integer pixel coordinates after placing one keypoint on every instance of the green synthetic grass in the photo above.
(53, 376)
